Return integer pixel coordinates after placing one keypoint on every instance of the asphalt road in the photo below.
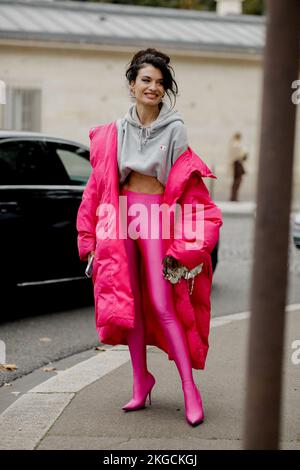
(62, 330)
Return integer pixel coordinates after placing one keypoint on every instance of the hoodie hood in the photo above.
(165, 117)
(150, 150)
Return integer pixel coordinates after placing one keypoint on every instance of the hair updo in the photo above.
(160, 61)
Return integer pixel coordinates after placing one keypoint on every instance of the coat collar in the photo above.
(187, 164)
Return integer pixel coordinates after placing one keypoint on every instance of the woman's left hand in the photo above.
(173, 270)
(169, 262)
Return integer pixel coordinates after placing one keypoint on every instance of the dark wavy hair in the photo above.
(160, 61)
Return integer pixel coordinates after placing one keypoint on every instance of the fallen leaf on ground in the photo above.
(98, 348)
(8, 367)
(49, 369)
(45, 339)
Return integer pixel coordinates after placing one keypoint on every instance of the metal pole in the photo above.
(269, 274)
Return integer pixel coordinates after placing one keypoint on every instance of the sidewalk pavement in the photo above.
(81, 407)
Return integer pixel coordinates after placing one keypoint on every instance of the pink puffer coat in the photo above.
(114, 302)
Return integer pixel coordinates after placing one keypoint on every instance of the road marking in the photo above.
(220, 321)
(224, 320)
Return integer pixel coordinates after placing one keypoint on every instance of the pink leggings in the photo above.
(151, 253)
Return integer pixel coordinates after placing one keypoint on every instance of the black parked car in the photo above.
(42, 179)
(41, 184)
(214, 255)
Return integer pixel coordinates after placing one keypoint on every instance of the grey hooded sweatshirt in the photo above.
(150, 150)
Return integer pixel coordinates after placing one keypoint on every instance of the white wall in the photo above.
(85, 88)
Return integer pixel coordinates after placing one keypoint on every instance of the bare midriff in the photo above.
(139, 183)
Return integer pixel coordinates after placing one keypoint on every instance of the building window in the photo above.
(22, 111)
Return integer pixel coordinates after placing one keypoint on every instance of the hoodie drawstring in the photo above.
(147, 136)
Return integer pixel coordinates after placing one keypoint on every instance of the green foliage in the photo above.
(187, 4)
(252, 7)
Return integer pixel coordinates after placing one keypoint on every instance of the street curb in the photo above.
(24, 423)
(236, 208)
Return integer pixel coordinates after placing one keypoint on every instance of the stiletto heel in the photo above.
(139, 403)
(193, 409)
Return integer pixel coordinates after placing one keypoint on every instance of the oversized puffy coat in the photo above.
(114, 301)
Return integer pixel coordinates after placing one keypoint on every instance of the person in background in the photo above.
(237, 157)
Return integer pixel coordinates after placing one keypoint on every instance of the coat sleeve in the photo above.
(87, 219)
(197, 230)
(87, 213)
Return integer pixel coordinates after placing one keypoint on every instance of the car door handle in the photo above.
(8, 206)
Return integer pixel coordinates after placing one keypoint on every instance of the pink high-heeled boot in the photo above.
(193, 404)
(143, 381)
(161, 296)
(138, 402)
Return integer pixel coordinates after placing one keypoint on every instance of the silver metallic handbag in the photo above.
(173, 271)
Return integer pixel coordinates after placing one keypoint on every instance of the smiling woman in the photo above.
(149, 85)
(150, 126)
(145, 158)
(151, 74)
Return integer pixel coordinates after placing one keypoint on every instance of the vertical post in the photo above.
(269, 274)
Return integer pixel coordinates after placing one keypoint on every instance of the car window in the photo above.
(27, 162)
(75, 160)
